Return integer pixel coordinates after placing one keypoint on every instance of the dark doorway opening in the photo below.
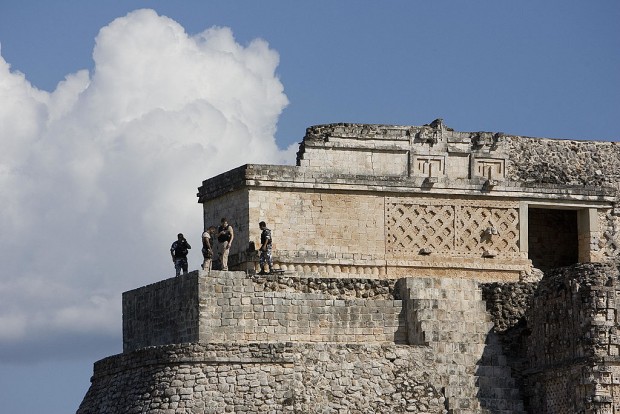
(552, 238)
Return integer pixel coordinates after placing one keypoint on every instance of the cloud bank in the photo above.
(99, 175)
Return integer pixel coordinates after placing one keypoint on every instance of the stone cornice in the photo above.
(290, 177)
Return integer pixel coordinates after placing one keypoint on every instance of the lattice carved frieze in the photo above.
(472, 224)
(412, 227)
(451, 227)
(609, 238)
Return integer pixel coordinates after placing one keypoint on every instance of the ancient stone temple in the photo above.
(421, 270)
(388, 201)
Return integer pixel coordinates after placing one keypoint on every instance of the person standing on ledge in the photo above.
(225, 236)
(179, 250)
(207, 248)
(265, 248)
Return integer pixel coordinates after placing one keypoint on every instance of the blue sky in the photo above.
(95, 161)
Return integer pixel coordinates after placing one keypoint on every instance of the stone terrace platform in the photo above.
(228, 307)
(336, 324)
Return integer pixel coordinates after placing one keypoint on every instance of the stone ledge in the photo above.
(279, 176)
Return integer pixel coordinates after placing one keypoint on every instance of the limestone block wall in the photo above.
(161, 313)
(329, 232)
(234, 206)
(567, 324)
(383, 162)
(357, 150)
(315, 227)
(235, 309)
(228, 307)
(262, 378)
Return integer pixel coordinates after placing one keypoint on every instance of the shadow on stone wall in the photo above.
(498, 389)
(560, 337)
(507, 304)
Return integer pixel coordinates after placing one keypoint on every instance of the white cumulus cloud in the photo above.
(99, 176)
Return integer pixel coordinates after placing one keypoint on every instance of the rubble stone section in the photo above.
(507, 302)
(266, 378)
(563, 162)
(228, 307)
(339, 288)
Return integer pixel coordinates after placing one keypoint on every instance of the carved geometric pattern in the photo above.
(412, 227)
(456, 228)
(472, 222)
(428, 166)
(610, 234)
(489, 168)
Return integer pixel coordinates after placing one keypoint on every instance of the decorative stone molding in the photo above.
(489, 168)
(429, 166)
(376, 194)
(447, 228)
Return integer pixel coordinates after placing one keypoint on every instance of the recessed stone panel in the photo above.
(428, 166)
(489, 168)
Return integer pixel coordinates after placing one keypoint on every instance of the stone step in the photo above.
(495, 404)
(436, 335)
(493, 371)
(470, 359)
(509, 393)
(450, 360)
(476, 305)
(456, 325)
(432, 287)
(463, 403)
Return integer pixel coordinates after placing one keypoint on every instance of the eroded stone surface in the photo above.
(387, 201)
(409, 284)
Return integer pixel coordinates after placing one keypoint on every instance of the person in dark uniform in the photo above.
(179, 250)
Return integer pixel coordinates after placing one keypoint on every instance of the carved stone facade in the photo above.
(393, 201)
(452, 228)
